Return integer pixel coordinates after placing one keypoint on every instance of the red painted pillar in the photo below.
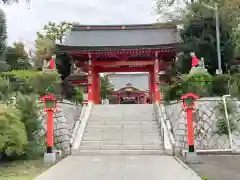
(190, 133)
(156, 80)
(150, 86)
(188, 104)
(50, 126)
(90, 80)
(96, 85)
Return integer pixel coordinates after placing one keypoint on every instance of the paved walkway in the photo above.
(218, 167)
(119, 167)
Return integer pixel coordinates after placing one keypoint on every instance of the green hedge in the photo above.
(220, 85)
(19, 125)
(200, 84)
(235, 85)
(13, 139)
(204, 85)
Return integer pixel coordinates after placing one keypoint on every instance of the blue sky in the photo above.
(24, 20)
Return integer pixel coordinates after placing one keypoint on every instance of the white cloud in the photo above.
(24, 20)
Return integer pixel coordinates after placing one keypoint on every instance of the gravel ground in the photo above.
(217, 167)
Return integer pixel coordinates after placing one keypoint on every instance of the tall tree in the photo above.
(169, 10)
(199, 36)
(3, 38)
(13, 1)
(51, 34)
(175, 9)
(44, 49)
(54, 31)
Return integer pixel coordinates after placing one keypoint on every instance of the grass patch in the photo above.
(22, 170)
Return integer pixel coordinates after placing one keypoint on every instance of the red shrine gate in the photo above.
(129, 48)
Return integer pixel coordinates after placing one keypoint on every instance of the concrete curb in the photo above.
(212, 152)
(185, 166)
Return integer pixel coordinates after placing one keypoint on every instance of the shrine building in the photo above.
(93, 49)
(129, 88)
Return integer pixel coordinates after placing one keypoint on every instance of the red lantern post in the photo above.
(50, 107)
(188, 104)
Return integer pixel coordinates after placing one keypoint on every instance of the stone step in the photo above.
(146, 132)
(118, 152)
(123, 146)
(122, 120)
(102, 142)
(125, 139)
(123, 126)
(122, 130)
(116, 122)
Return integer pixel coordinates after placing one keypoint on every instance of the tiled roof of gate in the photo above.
(122, 35)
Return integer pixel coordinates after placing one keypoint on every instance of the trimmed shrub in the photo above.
(235, 85)
(41, 80)
(28, 81)
(198, 83)
(20, 80)
(220, 85)
(13, 138)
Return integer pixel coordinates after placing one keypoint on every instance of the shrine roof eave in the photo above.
(85, 49)
(125, 88)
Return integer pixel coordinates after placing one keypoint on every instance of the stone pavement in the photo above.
(119, 167)
(217, 167)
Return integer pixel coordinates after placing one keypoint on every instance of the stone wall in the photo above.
(64, 119)
(205, 120)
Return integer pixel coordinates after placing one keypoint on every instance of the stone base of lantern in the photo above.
(192, 158)
(50, 158)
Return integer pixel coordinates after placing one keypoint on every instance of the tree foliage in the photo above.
(106, 87)
(17, 57)
(5, 88)
(199, 36)
(51, 34)
(29, 81)
(29, 114)
(233, 118)
(44, 50)
(54, 31)
(3, 38)
(78, 95)
(13, 137)
(13, 1)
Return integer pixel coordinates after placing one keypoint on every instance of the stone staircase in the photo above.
(122, 129)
